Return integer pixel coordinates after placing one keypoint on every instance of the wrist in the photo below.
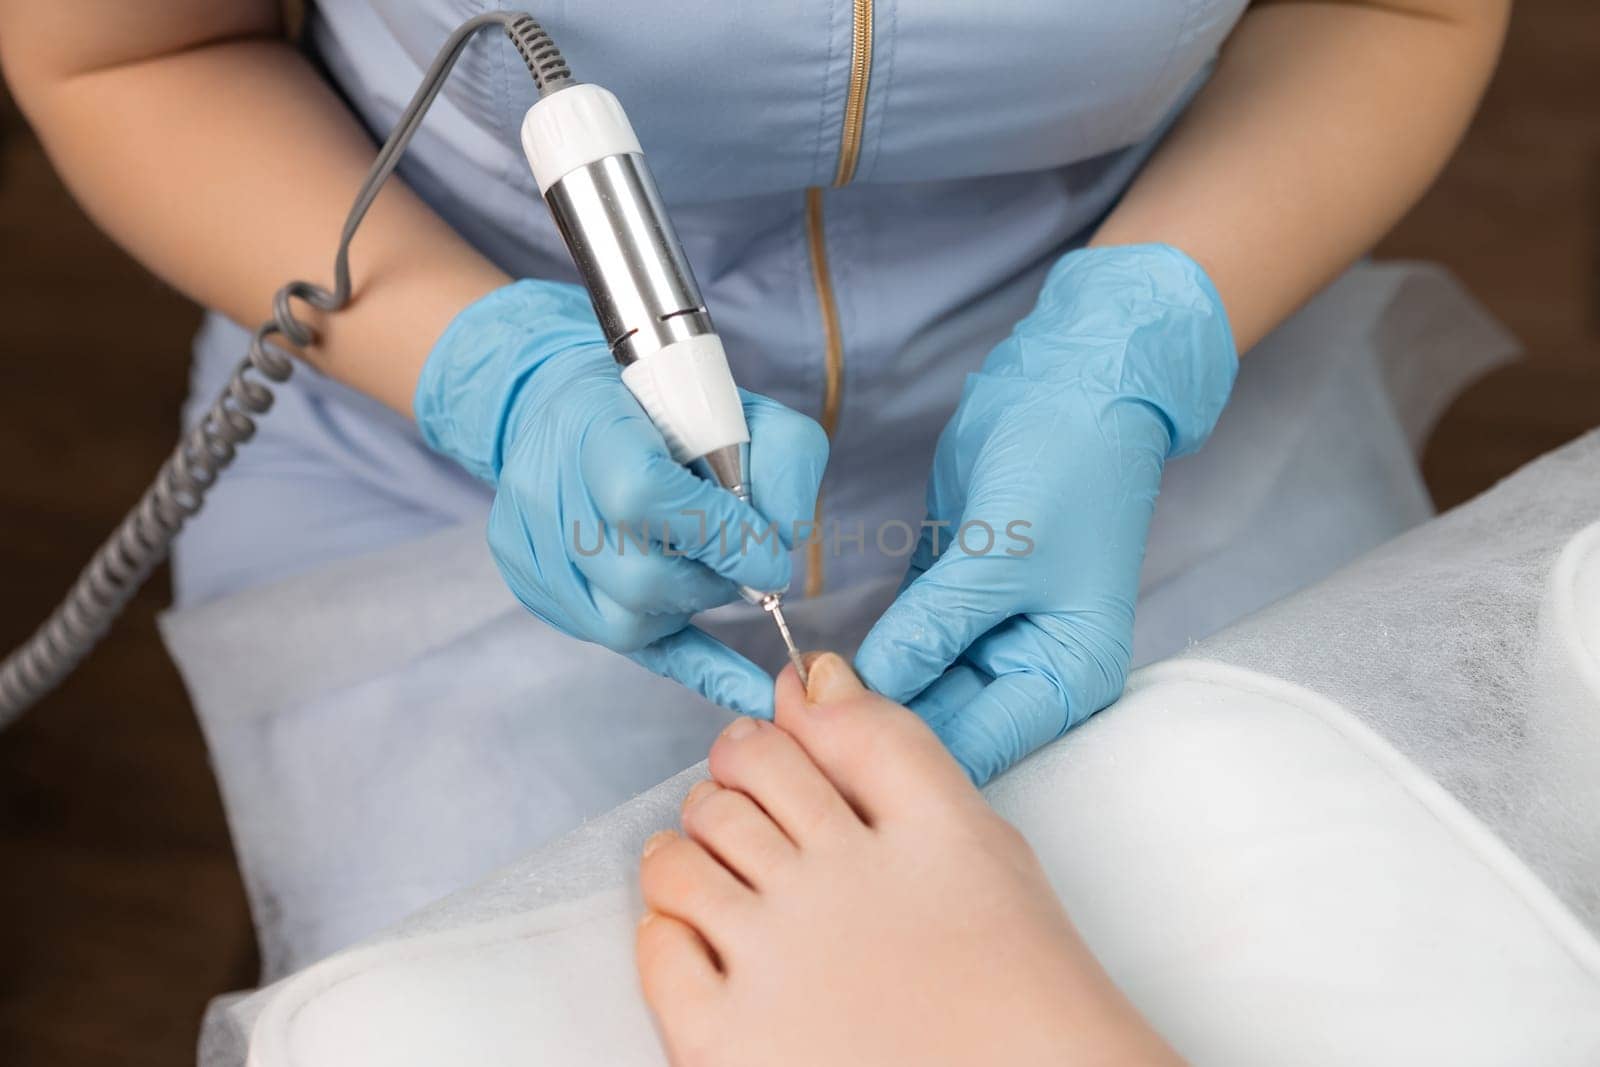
(1144, 321)
(478, 371)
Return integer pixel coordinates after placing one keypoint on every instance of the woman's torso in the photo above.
(735, 99)
(864, 223)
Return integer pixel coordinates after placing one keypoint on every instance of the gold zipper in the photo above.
(855, 101)
(833, 365)
(855, 115)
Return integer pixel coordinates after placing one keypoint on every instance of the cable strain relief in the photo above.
(550, 71)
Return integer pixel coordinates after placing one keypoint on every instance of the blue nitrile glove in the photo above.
(522, 391)
(1057, 447)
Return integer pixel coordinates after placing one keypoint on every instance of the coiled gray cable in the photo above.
(142, 540)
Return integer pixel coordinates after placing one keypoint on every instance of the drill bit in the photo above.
(772, 604)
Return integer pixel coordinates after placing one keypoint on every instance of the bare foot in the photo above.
(842, 895)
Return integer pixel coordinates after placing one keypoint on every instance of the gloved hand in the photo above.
(523, 392)
(1022, 626)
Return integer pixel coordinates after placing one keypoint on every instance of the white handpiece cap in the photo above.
(687, 390)
(572, 128)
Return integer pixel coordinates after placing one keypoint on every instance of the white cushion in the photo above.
(1269, 880)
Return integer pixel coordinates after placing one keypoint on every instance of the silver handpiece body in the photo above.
(611, 217)
(588, 164)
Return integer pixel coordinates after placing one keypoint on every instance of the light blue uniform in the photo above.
(994, 138)
(383, 756)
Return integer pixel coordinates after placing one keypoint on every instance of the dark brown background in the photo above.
(120, 910)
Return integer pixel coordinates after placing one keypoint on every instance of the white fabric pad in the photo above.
(1564, 727)
(1462, 644)
(1391, 861)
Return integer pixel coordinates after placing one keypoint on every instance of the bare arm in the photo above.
(1324, 122)
(210, 148)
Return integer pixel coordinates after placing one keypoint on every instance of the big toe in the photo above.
(879, 754)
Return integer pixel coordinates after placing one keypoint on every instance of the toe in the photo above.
(681, 880)
(735, 830)
(880, 755)
(678, 976)
(767, 765)
(697, 792)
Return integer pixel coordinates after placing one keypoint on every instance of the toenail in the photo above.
(739, 728)
(656, 841)
(831, 680)
(700, 790)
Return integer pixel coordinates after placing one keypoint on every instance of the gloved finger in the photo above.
(931, 543)
(620, 628)
(579, 609)
(1011, 717)
(637, 486)
(552, 592)
(1050, 673)
(640, 577)
(922, 557)
(1085, 652)
(695, 659)
(788, 453)
(935, 619)
(950, 694)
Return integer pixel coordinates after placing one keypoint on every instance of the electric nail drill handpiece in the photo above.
(592, 174)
